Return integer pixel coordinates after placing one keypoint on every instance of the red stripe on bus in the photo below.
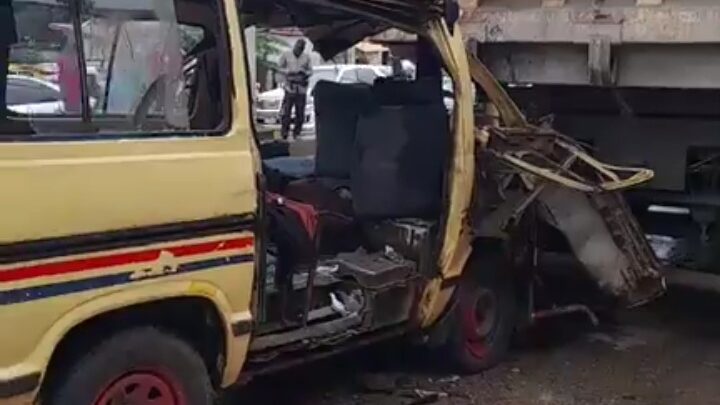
(94, 263)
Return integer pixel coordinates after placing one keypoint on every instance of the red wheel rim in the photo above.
(142, 388)
(479, 313)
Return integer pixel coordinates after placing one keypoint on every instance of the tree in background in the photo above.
(268, 49)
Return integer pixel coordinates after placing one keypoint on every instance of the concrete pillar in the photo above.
(251, 54)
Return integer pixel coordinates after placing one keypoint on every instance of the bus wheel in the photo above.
(483, 318)
(137, 367)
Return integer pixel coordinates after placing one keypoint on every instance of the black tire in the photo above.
(152, 360)
(474, 346)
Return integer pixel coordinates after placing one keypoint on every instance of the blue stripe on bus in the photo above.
(27, 294)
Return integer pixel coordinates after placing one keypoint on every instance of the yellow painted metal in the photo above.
(457, 240)
(41, 324)
(25, 399)
(510, 113)
(55, 189)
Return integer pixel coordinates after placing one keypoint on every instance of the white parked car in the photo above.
(28, 95)
(269, 103)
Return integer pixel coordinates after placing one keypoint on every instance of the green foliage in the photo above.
(267, 46)
(190, 37)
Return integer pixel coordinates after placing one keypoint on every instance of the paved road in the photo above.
(668, 353)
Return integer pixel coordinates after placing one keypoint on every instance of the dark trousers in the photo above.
(296, 101)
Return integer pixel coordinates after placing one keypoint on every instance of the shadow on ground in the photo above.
(665, 353)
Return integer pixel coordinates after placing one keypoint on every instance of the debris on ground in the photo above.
(665, 354)
(377, 383)
(421, 397)
(447, 380)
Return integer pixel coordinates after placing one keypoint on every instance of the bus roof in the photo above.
(335, 25)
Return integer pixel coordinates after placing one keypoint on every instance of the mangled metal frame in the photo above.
(576, 193)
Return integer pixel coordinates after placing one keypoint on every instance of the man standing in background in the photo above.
(296, 66)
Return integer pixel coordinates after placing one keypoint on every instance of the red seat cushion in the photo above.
(306, 213)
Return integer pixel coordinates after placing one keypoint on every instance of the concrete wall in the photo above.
(625, 43)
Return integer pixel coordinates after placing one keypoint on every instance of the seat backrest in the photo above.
(337, 108)
(387, 91)
(401, 153)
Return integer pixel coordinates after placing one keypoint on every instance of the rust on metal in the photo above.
(522, 164)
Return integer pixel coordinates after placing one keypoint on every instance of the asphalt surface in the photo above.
(665, 353)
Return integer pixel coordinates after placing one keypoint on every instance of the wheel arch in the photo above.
(437, 332)
(520, 274)
(96, 318)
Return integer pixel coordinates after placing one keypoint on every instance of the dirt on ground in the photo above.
(665, 353)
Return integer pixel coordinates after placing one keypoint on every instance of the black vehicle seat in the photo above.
(337, 108)
(387, 91)
(401, 152)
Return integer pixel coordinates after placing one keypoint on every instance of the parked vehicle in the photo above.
(28, 95)
(269, 103)
(148, 254)
(32, 96)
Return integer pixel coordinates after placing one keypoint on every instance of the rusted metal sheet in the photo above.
(523, 165)
(606, 239)
(580, 197)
